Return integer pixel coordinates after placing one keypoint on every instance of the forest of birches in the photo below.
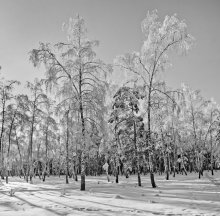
(79, 120)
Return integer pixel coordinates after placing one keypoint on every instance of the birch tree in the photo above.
(75, 73)
(6, 88)
(34, 105)
(49, 128)
(160, 38)
(13, 119)
(211, 126)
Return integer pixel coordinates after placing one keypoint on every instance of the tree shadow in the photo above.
(37, 206)
(100, 203)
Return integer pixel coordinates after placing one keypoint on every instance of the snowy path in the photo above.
(183, 195)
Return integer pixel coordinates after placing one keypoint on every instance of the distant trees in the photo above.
(211, 138)
(200, 116)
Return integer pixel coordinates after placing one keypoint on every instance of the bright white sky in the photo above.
(116, 23)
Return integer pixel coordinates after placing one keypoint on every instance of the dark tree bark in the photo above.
(9, 146)
(46, 168)
(1, 136)
(136, 153)
(67, 147)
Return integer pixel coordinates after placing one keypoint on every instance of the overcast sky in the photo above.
(116, 24)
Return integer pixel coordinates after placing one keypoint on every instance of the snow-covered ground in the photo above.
(183, 195)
